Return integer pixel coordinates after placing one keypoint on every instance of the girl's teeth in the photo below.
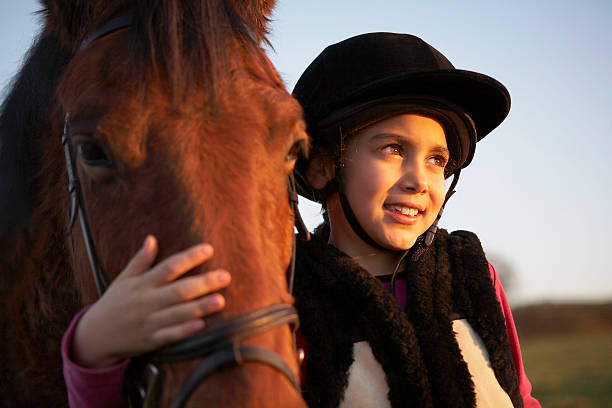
(404, 210)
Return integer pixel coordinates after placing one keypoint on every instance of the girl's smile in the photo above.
(403, 213)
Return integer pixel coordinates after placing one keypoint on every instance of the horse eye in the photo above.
(92, 154)
(297, 148)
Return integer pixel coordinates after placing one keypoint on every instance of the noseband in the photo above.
(219, 346)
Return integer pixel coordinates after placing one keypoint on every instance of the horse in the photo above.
(185, 131)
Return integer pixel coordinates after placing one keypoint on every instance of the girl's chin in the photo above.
(402, 244)
(402, 238)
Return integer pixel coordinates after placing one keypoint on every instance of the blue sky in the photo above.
(537, 192)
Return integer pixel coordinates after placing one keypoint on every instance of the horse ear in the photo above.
(266, 7)
(256, 13)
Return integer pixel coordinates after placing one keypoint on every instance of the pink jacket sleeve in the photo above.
(524, 384)
(91, 388)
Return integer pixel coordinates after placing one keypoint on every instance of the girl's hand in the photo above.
(145, 309)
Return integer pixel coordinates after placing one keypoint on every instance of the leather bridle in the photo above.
(218, 346)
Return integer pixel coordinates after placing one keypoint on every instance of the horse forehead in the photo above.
(125, 117)
(186, 139)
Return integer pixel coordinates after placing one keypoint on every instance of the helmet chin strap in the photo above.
(431, 231)
(422, 243)
(352, 219)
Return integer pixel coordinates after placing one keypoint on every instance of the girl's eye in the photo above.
(92, 154)
(392, 149)
(439, 161)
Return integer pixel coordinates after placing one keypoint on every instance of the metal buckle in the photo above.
(152, 379)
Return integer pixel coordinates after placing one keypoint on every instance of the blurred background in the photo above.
(536, 193)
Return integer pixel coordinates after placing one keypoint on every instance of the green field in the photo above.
(573, 371)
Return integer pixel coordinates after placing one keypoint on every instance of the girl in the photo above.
(393, 312)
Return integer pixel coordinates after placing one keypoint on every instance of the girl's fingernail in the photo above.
(217, 300)
(223, 276)
(205, 248)
(152, 242)
(198, 324)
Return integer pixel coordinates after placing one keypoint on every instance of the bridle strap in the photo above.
(74, 186)
(229, 331)
(303, 232)
(115, 24)
(232, 355)
(221, 346)
(74, 189)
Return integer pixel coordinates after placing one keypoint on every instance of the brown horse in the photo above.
(185, 132)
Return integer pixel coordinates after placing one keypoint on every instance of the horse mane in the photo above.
(183, 42)
(72, 18)
(25, 246)
(23, 115)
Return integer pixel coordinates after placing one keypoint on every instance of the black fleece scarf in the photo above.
(340, 303)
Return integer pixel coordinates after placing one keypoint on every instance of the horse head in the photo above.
(177, 125)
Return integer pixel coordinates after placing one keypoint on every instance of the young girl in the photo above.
(393, 312)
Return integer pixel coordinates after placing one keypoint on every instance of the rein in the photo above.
(219, 346)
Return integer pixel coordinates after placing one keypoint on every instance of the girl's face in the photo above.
(394, 178)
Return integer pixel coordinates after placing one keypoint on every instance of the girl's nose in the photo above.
(414, 178)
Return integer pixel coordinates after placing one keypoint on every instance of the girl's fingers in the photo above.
(178, 264)
(191, 287)
(184, 312)
(178, 332)
(142, 260)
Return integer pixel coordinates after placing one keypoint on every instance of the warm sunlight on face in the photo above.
(394, 178)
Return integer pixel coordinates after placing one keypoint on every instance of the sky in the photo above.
(536, 193)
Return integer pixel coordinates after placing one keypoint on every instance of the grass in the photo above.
(570, 371)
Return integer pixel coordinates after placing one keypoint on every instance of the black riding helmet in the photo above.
(368, 78)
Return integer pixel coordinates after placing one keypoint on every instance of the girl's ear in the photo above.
(320, 171)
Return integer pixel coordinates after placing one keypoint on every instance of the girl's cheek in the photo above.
(440, 193)
(438, 182)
